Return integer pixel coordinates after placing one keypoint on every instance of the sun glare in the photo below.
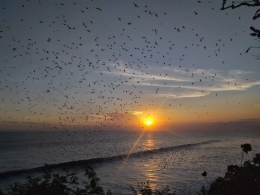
(148, 122)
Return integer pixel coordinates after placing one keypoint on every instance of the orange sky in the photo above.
(62, 68)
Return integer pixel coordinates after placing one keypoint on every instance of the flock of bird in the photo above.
(58, 70)
(79, 65)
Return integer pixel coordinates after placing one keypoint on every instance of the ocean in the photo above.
(123, 158)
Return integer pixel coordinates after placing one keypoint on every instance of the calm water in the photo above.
(123, 158)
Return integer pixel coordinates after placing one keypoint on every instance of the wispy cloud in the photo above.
(186, 95)
(123, 70)
(137, 112)
(194, 82)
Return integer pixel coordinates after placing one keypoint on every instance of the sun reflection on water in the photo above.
(150, 167)
(149, 144)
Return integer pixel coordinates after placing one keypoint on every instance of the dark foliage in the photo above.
(256, 160)
(246, 148)
(144, 188)
(243, 180)
(238, 180)
(204, 174)
(54, 184)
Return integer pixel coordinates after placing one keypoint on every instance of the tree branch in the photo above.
(256, 4)
(251, 47)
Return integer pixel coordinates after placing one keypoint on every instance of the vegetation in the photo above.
(144, 188)
(238, 180)
(54, 184)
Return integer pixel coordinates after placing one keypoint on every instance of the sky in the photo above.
(115, 64)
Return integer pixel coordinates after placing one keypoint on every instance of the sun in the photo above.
(148, 122)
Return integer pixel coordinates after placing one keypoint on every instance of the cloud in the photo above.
(186, 95)
(194, 82)
(137, 112)
(97, 116)
(123, 70)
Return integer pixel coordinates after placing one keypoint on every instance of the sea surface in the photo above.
(123, 158)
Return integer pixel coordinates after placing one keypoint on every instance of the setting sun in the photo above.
(148, 122)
